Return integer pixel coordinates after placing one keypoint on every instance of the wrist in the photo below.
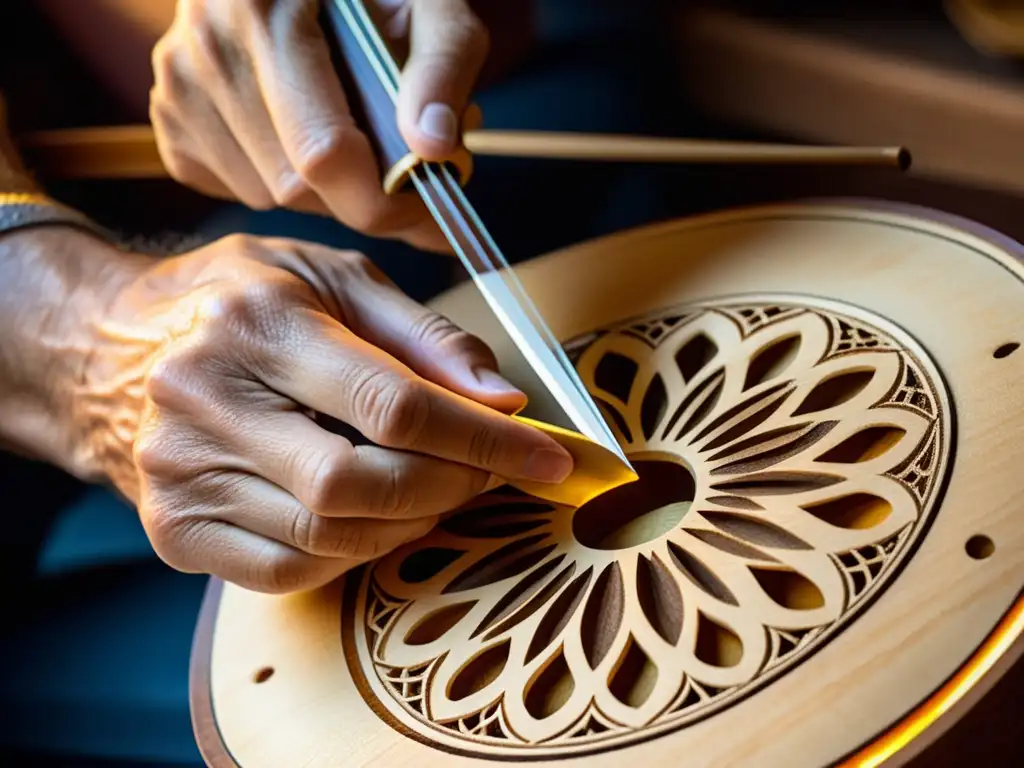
(56, 283)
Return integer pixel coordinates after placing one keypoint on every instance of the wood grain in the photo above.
(903, 647)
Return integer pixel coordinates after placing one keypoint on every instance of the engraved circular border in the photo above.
(388, 708)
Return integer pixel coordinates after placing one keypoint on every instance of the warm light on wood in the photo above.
(810, 563)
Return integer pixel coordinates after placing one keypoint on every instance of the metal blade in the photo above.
(558, 396)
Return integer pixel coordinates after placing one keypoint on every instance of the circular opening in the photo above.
(639, 511)
(980, 547)
(262, 675)
(1006, 350)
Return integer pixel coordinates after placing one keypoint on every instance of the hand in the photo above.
(196, 403)
(246, 105)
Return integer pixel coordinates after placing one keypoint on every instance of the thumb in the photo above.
(377, 311)
(448, 45)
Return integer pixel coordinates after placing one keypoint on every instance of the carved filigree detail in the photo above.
(797, 454)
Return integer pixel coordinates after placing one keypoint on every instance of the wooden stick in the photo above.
(594, 146)
(130, 151)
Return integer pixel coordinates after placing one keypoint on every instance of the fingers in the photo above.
(313, 126)
(247, 104)
(336, 373)
(329, 477)
(429, 343)
(241, 556)
(447, 48)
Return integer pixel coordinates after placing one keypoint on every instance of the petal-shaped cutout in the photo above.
(615, 374)
(700, 574)
(479, 672)
(694, 355)
(424, 564)
(857, 511)
(755, 530)
(734, 502)
(534, 604)
(746, 416)
(835, 390)
(729, 546)
(659, 598)
(519, 594)
(763, 441)
(551, 689)
(717, 645)
(437, 624)
(865, 445)
(789, 588)
(699, 402)
(634, 677)
(501, 564)
(499, 521)
(603, 615)
(653, 407)
(558, 615)
(777, 483)
(772, 360)
(772, 456)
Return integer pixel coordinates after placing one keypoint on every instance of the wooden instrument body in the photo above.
(863, 543)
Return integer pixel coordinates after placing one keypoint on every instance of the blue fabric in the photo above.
(98, 667)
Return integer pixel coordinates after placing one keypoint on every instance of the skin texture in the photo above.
(246, 105)
(197, 385)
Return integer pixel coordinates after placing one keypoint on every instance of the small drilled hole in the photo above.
(262, 675)
(1006, 350)
(980, 547)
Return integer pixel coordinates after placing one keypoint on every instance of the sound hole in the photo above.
(639, 511)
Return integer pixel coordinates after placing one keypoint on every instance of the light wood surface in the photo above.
(827, 528)
(962, 125)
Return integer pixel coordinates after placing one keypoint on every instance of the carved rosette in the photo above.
(791, 455)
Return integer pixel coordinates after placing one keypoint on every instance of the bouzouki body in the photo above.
(821, 563)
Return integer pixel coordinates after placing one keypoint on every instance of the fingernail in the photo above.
(438, 121)
(548, 466)
(494, 382)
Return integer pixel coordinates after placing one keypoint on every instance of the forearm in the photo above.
(53, 281)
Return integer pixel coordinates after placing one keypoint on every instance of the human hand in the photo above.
(246, 105)
(195, 402)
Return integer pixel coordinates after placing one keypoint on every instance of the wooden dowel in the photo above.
(130, 152)
(593, 146)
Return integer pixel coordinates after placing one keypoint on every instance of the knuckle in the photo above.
(473, 37)
(275, 572)
(395, 496)
(179, 166)
(170, 382)
(329, 474)
(486, 448)
(434, 329)
(167, 531)
(399, 411)
(288, 190)
(316, 150)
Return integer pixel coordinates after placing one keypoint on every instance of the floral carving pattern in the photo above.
(795, 455)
